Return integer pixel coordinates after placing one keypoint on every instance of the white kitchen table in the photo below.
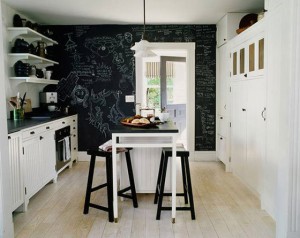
(164, 135)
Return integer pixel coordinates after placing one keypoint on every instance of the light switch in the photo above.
(129, 98)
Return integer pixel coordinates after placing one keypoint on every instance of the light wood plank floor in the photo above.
(224, 208)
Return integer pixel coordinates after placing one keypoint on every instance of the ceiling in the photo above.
(69, 12)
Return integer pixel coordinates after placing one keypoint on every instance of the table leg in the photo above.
(114, 168)
(173, 179)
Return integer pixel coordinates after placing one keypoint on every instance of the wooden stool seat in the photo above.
(186, 178)
(109, 182)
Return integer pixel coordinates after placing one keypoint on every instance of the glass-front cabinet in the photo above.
(247, 59)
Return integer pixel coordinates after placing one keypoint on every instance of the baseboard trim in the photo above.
(205, 156)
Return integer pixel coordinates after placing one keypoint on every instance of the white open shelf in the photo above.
(28, 33)
(36, 80)
(14, 57)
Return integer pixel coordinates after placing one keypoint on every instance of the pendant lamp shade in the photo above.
(142, 48)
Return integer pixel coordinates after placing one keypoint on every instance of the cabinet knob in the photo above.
(245, 75)
(63, 122)
(221, 138)
(32, 133)
(221, 117)
(48, 127)
(9, 137)
(243, 109)
(224, 39)
(41, 137)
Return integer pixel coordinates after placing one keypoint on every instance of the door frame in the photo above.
(163, 76)
(190, 66)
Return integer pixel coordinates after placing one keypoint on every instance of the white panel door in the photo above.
(16, 173)
(238, 128)
(256, 126)
(47, 154)
(32, 166)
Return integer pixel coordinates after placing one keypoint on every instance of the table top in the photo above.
(167, 127)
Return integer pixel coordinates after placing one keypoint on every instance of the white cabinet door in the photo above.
(222, 80)
(47, 154)
(222, 31)
(222, 152)
(248, 55)
(16, 174)
(248, 131)
(32, 166)
(238, 128)
(256, 126)
(39, 160)
(227, 26)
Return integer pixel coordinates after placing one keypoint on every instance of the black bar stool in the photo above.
(109, 182)
(186, 177)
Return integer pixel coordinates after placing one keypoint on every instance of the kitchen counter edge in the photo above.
(18, 125)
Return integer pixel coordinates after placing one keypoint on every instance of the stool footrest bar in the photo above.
(99, 187)
(98, 207)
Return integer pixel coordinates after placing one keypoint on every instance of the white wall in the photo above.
(12, 87)
(6, 225)
(179, 85)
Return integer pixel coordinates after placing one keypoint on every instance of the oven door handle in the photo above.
(62, 139)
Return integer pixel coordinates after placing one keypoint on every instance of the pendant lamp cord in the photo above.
(143, 36)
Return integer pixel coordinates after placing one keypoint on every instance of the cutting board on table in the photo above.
(27, 105)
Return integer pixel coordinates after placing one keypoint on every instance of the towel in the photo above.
(107, 146)
(66, 149)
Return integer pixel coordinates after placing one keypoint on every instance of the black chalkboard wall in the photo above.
(97, 70)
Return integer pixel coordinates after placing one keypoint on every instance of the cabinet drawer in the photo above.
(222, 129)
(222, 152)
(33, 131)
(74, 120)
(71, 120)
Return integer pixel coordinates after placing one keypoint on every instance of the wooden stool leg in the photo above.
(89, 185)
(109, 188)
(190, 190)
(131, 179)
(183, 169)
(162, 187)
(159, 177)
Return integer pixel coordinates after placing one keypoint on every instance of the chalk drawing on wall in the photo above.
(116, 113)
(118, 58)
(100, 98)
(103, 72)
(66, 86)
(80, 96)
(95, 118)
(70, 44)
(102, 46)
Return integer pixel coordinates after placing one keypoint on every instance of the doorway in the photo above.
(184, 105)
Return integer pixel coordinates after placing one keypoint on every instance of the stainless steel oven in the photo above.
(63, 147)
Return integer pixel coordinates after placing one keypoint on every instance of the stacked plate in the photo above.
(22, 69)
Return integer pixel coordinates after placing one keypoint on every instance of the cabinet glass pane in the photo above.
(234, 63)
(242, 61)
(251, 57)
(261, 46)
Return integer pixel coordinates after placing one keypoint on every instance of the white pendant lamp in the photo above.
(142, 48)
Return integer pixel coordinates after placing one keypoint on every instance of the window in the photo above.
(152, 79)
